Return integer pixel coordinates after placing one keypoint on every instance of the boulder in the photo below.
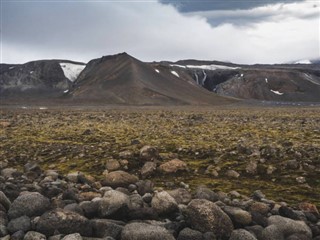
(4, 201)
(114, 204)
(30, 204)
(288, 226)
(21, 223)
(205, 216)
(74, 236)
(148, 153)
(206, 193)
(189, 234)
(112, 165)
(241, 234)
(143, 231)
(106, 228)
(163, 203)
(119, 179)
(173, 166)
(31, 235)
(238, 216)
(181, 195)
(259, 207)
(148, 169)
(63, 221)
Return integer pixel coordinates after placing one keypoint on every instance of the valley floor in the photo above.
(276, 150)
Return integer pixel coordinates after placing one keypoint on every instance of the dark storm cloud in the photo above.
(207, 5)
(149, 30)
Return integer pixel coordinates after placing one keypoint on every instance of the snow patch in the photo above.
(72, 70)
(31, 72)
(241, 75)
(175, 73)
(176, 65)
(305, 61)
(276, 92)
(309, 78)
(11, 68)
(157, 70)
(66, 91)
(43, 108)
(204, 77)
(212, 67)
(266, 80)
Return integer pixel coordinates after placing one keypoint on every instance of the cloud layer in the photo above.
(155, 31)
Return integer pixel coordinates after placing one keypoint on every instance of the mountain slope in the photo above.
(122, 79)
(37, 79)
(282, 82)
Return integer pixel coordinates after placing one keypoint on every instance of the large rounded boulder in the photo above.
(64, 222)
(206, 216)
(29, 204)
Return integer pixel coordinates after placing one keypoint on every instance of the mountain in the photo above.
(281, 82)
(37, 79)
(117, 79)
(123, 79)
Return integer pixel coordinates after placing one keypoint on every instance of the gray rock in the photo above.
(148, 169)
(17, 235)
(74, 207)
(147, 197)
(143, 231)
(298, 236)
(238, 216)
(241, 234)
(113, 204)
(144, 186)
(148, 153)
(112, 165)
(288, 226)
(189, 234)
(272, 232)
(119, 179)
(232, 174)
(30, 204)
(63, 221)
(89, 208)
(8, 172)
(4, 201)
(3, 218)
(181, 195)
(173, 166)
(31, 235)
(256, 230)
(163, 203)
(22, 223)
(206, 193)
(205, 216)
(3, 230)
(106, 228)
(74, 236)
(136, 201)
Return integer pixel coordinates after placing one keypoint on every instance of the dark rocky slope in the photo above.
(122, 79)
(286, 82)
(33, 80)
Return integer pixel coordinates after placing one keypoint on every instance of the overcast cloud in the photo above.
(151, 30)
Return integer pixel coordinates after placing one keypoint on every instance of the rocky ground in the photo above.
(204, 174)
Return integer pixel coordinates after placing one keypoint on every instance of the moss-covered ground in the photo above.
(225, 138)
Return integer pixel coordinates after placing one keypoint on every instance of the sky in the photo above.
(239, 31)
